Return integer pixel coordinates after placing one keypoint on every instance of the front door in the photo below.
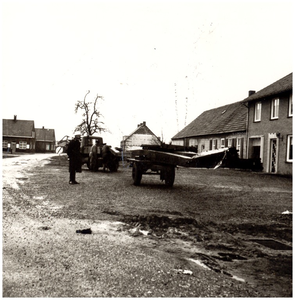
(273, 156)
(13, 147)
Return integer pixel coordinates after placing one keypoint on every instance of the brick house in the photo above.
(216, 128)
(45, 140)
(18, 135)
(140, 136)
(269, 132)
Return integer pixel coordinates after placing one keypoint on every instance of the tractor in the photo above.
(106, 156)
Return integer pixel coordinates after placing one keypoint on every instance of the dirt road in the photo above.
(216, 233)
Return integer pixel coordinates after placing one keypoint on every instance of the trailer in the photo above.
(162, 160)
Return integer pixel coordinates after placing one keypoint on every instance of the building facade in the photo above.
(18, 135)
(45, 140)
(142, 135)
(269, 132)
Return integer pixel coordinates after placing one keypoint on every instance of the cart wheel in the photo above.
(136, 174)
(170, 176)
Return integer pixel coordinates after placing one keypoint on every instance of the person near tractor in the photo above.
(73, 152)
(93, 156)
(105, 155)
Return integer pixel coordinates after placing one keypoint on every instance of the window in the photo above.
(214, 144)
(290, 148)
(240, 146)
(222, 143)
(275, 109)
(22, 145)
(202, 148)
(230, 143)
(257, 113)
(290, 113)
(47, 147)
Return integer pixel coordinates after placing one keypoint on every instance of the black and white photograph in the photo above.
(147, 148)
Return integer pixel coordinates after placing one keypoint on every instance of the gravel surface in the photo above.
(192, 240)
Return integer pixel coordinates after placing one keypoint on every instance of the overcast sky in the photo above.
(163, 62)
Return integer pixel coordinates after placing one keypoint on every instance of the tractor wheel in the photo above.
(169, 176)
(113, 166)
(136, 174)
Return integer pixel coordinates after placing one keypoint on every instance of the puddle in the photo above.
(106, 226)
(238, 278)
(199, 263)
(196, 261)
(55, 208)
(38, 197)
(272, 244)
(229, 256)
(44, 228)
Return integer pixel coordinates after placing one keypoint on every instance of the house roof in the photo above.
(225, 119)
(43, 134)
(17, 128)
(282, 85)
(141, 129)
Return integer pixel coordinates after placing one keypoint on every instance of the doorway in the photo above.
(273, 156)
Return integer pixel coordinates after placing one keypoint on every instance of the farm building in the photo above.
(270, 126)
(18, 135)
(260, 127)
(45, 140)
(217, 128)
(142, 135)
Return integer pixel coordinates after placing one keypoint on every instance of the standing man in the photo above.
(75, 158)
(105, 155)
(93, 157)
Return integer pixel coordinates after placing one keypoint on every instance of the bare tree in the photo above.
(90, 123)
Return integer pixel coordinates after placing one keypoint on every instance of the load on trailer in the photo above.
(162, 160)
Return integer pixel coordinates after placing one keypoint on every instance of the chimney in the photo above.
(251, 93)
(42, 127)
(14, 118)
(143, 123)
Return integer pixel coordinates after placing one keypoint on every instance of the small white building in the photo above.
(142, 135)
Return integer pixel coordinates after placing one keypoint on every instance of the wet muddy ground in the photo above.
(227, 233)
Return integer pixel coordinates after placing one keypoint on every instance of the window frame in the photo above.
(5, 144)
(274, 111)
(222, 143)
(22, 145)
(214, 144)
(289, 148)
(239, 143)
(290, 107)
(257, 112)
